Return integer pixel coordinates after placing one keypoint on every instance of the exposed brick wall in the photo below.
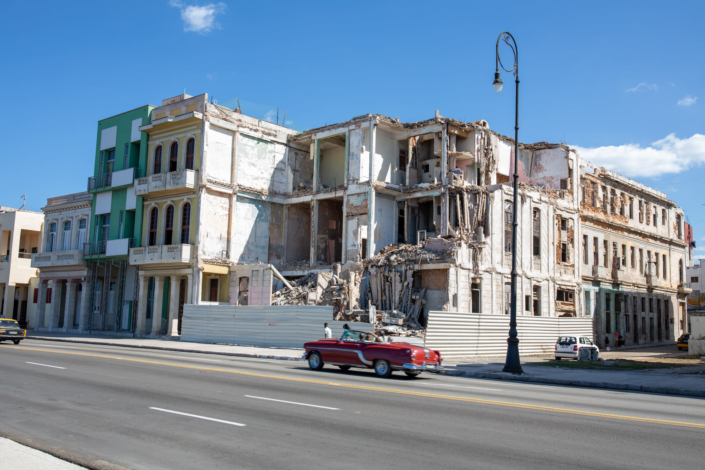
(436, 279)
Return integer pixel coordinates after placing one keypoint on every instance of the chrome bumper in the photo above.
(427, 366)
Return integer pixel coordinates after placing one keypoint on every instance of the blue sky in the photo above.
(606, 76)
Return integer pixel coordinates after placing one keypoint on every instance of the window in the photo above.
(615, 255)
(536, 297)
(622, 205)
(153, 217)
(680, 271)
(507, 227)
(564, 252)
(169, 225)
(624, 255)
(36, 296)
(651, 305)
(185, 222)
(693, 279)
(655, 217)
(81, 233)
(643, 305)
(588, 294)
(633, 257)
(626, 323)
(604, 198)
(564, 295)
(174, 157)
(213, 291)
(537, 232)
(647, 209)
(595, 252)
(663, 216)
(648, 262)
(635, 305)
(190, 146)
(110, 164)
(678, 224)
(507, 297)
(631, 208)
(594, 194)
(121, 225)
(527, 303)
(582, 189)
(585, 249)
(475, 292)
(51, 240)
(641, 261)
(67, 236)
(564, 183)
(604, 254)
(564, 225)
(157, 160)
(656, 270)
(613, 207)
(608, 311)
(641, 212)
(106, 227)
(126, 162)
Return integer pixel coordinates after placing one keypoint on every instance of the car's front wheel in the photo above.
(315, 361)
(16, 341)
(382, 368)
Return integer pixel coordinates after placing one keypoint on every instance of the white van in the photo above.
(569, 346)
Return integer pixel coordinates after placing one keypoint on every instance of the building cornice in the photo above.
(625, 228)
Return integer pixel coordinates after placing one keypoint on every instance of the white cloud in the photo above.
(199, 18)
(668, 155)
(688, 101)
(270, 115)
(210, 76)
(643, 87)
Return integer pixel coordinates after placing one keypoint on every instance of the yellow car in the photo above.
(683, 341)
(10, 330)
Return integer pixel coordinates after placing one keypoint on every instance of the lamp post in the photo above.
(512, 363)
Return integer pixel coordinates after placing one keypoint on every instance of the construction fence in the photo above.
(263, 326)
(457, 334)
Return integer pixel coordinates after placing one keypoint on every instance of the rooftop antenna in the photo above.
(24, 201)
(277, 116)
(284, 121)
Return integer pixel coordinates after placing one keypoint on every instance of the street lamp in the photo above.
(512, 363)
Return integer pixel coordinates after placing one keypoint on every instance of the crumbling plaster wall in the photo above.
(385, 221)
(261, 164)
(213, 224)
(298, 233)
(300, 168)
(277, 237)
(549, 167)
(386, 156)
(332, 167)
(329, 232)
(220, 154)
(250, 234)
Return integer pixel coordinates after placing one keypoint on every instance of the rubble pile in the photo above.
(299, 295)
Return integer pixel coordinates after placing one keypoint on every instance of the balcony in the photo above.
(57, 258)
(112, 180)
(599, 272)
(617, 275)
(652, 280)
(164, 182)
(162, 254)
(684, 288)
(119, 247)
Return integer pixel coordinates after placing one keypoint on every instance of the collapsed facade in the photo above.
(385, 221)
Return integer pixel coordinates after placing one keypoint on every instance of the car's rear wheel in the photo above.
(382, 368)
(412, 373)
(315, 361)
(16, 341)
(344, 368)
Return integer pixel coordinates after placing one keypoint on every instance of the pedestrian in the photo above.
(327, 331)
(616, 338)
(346, 332)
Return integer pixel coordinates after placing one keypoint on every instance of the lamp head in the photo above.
(497, 84)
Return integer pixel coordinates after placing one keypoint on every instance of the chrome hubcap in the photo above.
(382, 367)
(314, 361)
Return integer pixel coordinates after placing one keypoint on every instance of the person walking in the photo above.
(327, 331)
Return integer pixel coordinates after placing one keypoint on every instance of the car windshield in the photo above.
(353, 335)
(9, 324)
(566, 340)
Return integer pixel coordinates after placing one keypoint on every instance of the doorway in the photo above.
(150, 306)
(213, 290)
(182, 301)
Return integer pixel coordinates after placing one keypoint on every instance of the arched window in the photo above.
(51, 241)
(157, 160)
(66, 236)
(153, 217)
(174, 156)
(185, 223)
(189, 153)
(81, 233)
(169, 226)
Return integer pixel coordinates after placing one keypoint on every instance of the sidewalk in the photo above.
(641, 381)
(19, 457)
(172, 345)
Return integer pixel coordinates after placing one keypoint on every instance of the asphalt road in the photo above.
(146, 409)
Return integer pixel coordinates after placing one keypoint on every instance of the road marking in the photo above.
(45, 365)
(292, 402)
(387, 390)
(197, 416)
(463, 386)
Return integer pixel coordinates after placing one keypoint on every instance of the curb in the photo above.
(162, 348)
(577, 383)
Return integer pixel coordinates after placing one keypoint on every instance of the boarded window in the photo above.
(475, 297)
(537, 232)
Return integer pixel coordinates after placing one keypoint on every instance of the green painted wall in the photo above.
(137, 157)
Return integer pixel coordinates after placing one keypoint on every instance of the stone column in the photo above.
(70, 304)
(41, 306)
(55, 306)
(189, 289)
(197, 287)
(141, 314)
(85, 305)
(172, 326)
(9, 301)
(157, 310)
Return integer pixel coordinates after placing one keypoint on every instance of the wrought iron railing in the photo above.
(100, 181)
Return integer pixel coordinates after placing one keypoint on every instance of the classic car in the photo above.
(10, 330)
(682, 342)
(366, 350)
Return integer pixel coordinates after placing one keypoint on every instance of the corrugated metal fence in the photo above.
(477, 334)
(264, 326)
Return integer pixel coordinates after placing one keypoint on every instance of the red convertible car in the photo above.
(364, 350)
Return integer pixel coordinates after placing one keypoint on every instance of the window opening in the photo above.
(121, 225)
(536, 298)
(67, 235)
(174, 156)
(537, 232)
(585, 249)
(508, 227)
(475, 292)
(153, 226)
(52, 237)
(157, 160)
(126, 161)
(595, 252)
(213, 293)
(81, 233)
(169, 226)
(185, 223)
(190, 146)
